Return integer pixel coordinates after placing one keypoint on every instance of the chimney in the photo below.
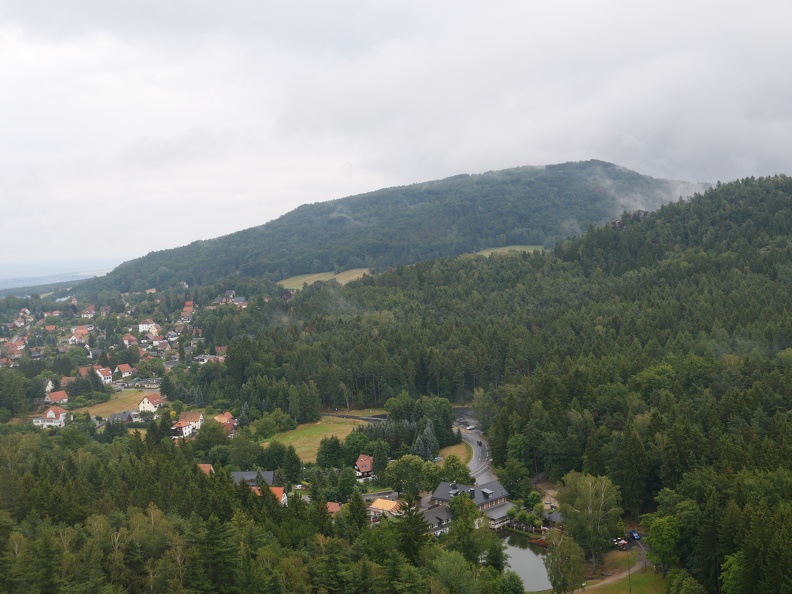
(472, 493)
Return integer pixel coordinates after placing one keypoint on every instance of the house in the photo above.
(182, 429)
(333, 507)
(89, 312)
(49, 385)
(54, 416)
(129, 340)
(122, 417)
(58, 397)
(438, 518)
(490, 499)
(193, 417)
(105, 374)
(124, 370)
(280, 495)
(151, 402)
(251, 477)
(207, 469)
(146, 325)
(66, 380)
(383, 507)
(364, 467)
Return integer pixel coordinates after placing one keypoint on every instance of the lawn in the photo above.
(120, 402)
(306, 438)
(643, 581)
(463, 451)
(296, 282)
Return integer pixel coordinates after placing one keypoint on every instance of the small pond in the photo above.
(525, 560)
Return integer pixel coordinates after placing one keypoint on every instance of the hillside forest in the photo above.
(656, 353)
(408, 224)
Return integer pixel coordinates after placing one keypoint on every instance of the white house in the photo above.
(150, 403)
(194, 418)
(146, 325)
(54, 416)
(105, 374)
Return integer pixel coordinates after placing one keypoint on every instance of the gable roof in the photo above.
(191, 416)
(385, 505)
(206, 468)
(333, 507)
(54, 411)
(59, 396)
(364, 463)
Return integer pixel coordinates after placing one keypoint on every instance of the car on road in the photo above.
(634, 535)
(470, 427)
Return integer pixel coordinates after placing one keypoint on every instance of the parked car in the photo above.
(634, 535)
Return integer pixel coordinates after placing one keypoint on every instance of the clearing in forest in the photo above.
(296, 283)
(306, 438)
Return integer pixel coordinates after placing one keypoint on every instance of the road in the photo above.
(479, 463)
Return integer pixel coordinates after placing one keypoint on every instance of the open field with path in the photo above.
(124, 400)
(296, 282)
(306, 438)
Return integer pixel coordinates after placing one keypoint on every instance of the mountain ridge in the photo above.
(530, 205)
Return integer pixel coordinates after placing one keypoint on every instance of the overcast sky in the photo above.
(127, 127)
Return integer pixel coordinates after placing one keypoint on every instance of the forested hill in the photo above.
(658, 354)
(527, 205)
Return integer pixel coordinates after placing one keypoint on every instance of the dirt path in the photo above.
(634, 568)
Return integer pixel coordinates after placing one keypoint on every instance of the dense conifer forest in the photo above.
(656, 353)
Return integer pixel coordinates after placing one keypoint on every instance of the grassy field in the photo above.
(124, 400)
(306, 438)
(296, 282)
(509, 248)
(640, 582)
(463, 451)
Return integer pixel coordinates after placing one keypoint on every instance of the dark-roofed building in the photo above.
(250, 476)
(438, 518)
(484, 496)
(122, 417)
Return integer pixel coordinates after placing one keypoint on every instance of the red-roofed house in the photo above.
(129, 340)
(150, 403)
(364, 467)
(54, 416)
(125, 369)
(333, 507)
(105, 374)
(206, 468)
(181, 429)
(59, 397)
(89, 311)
